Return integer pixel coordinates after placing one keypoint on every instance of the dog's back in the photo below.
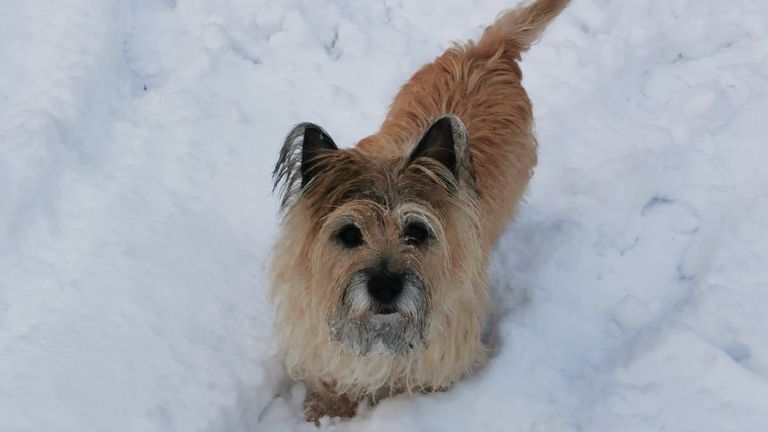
(480, 84)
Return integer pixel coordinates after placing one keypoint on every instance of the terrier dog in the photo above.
(380, 269)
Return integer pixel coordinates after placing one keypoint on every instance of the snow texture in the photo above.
(137, 140)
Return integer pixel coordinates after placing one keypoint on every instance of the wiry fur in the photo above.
(330, 339)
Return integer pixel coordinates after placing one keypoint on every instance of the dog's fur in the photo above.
(450, 163)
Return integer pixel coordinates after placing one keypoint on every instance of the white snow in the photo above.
(137, 140)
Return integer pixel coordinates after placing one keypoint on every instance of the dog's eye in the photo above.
(415, 234)
(350, 236)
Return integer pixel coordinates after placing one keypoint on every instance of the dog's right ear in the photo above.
(300, 160)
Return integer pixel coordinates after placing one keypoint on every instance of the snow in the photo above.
(136, 145)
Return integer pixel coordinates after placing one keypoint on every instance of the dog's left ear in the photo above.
(446, 142)
(300, 159)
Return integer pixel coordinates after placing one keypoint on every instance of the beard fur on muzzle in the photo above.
(362, 325)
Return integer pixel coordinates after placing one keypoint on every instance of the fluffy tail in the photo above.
(521, 26)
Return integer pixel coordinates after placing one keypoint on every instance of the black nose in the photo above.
(385, 287)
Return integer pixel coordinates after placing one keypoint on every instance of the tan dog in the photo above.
(380, 270)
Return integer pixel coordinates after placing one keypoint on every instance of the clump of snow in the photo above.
(136, 145)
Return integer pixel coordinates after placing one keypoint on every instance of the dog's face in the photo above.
(378, 236)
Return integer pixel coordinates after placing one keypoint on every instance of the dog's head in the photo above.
(375, 243)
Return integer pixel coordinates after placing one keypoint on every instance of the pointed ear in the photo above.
(316, 141)
(445, 141)
(300, 158)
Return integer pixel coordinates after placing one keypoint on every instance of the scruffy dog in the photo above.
(380, 270)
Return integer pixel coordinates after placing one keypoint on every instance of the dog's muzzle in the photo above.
(380, 306)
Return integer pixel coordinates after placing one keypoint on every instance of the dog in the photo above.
(380, 270)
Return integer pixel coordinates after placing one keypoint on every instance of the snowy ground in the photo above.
(136, 144)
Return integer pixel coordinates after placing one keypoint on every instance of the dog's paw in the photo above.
(321, 404)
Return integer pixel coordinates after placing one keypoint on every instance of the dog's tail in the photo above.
(520, 27)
